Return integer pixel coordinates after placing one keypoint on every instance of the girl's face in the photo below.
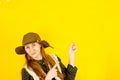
(34, 50)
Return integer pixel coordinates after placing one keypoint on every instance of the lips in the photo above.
(33, 53)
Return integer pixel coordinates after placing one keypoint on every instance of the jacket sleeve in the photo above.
(26, 75)
(69, 72)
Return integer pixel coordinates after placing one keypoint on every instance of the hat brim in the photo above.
(20, 50)
(45, 44)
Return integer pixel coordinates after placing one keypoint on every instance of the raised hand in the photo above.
(72, 51)
(72, 48)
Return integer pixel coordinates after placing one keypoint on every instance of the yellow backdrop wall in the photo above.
(92, 24)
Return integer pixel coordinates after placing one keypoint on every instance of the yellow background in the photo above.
(94, 25)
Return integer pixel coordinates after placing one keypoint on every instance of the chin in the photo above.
(35, 56)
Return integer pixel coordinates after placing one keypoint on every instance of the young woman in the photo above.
(41, 66)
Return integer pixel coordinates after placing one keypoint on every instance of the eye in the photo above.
(34, 44)
(27, 47)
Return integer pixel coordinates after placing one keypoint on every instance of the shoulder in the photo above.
(24, 71)
(26, 75)
(54, 56)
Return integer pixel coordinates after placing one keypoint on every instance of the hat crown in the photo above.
(30, 37)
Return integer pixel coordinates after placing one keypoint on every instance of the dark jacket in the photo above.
(69, 72)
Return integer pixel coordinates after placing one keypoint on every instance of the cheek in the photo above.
(27, 51)
(37, 48)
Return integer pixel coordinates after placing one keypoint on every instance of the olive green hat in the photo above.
(29, 38)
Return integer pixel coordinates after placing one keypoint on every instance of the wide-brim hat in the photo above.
(30, 38)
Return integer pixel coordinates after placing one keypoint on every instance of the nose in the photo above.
(31, 49)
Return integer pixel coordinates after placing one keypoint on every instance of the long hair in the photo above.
(38, 69)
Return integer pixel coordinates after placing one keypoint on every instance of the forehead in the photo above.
(31, 43)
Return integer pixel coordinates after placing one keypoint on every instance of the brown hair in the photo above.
(38, 69)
